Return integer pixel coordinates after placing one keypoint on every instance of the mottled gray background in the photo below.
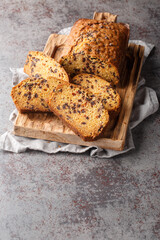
(69, 196)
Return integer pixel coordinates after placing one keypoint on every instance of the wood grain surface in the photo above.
(49, 127)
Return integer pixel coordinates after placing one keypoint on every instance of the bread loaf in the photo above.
(96, 47)
(40, 65)
(31, 95)
(79, 110)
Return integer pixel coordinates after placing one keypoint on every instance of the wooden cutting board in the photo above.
(49, 127)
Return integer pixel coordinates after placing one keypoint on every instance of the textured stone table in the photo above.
(69, 196)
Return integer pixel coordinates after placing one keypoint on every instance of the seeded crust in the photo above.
(107, 41)
(79, 110)
(102, 89)
(31, 95)
(40, 65)
(96, 47)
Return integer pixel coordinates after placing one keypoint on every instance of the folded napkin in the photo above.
(145, 104)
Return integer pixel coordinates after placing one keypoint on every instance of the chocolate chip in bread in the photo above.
(102, 89)
(79, 110)
(31, 94)
(40, 65)
(96, 47)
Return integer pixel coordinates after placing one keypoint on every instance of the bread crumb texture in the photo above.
(40, 65)
(32, 94)
(80, 110)
(102, 89)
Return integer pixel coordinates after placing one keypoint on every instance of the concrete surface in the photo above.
(69, 196)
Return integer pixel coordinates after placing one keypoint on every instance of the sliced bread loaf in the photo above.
(96, 47)
(79, 110)
(40, 65)
(31, 95)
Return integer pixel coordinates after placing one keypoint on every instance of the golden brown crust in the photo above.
(112, 39)
(80, 27)
(96, 44)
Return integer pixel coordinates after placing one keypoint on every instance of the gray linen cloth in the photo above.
(145, 104)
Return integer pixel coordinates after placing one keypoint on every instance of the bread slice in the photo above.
(40, 65)
(77, 63)
(31, 95)
(96, 47)
(79, 110)
(102, 89)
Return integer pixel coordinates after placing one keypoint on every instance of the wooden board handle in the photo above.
(105, 15)
(54, 42)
